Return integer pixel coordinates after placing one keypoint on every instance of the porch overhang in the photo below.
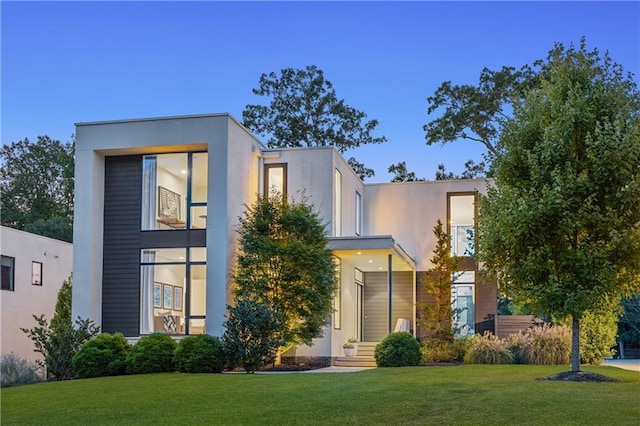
(371, 253)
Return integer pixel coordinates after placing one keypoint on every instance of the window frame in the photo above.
(358, 213)
(12, 277)
(337, 203)
(189, 205)
(450, 195)
(33, 275)
(187, 262)
(267, 186)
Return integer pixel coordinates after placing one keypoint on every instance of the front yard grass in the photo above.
(468, 394)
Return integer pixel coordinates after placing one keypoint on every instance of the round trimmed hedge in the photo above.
(199, 354)
(152, 354)
(399, 349)
(104, 355)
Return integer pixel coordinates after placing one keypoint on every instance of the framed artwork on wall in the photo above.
(177, 298)
(168, 203)
(167, 296)
(157, 295)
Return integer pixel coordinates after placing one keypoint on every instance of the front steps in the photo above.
(364, 357)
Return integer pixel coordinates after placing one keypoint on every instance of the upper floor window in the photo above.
(275, 179)
(36, 273)
(461, 224)
(8, 272)
(174, 191)
(337, 209)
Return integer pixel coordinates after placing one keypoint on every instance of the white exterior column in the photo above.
(88, 228)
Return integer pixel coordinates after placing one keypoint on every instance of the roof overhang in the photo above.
(371, 253)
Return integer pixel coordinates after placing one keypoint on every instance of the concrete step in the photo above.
(366, 348)
(355, 361)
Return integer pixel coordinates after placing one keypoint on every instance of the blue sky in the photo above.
(66, 62)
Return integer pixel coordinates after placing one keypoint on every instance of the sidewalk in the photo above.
(627, 364)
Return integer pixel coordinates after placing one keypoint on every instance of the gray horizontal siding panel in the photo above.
(121, 253)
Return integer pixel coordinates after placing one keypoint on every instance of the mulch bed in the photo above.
(579, 376)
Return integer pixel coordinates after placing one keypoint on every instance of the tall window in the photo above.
(462, 303)
(173, 290)
(461, 224)
(36, 273)
(337, 300)
(337, 211)
(174, 191)
(275, 180)
(8, 273)
(358, 213)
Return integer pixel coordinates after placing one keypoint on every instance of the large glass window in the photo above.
(173, 290)
(275, 180)
(337, 210)
(461, 224)
(8, 273)
(174, 191)
(462, 303)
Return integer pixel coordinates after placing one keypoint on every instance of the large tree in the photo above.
(304, 110)
(478, 112)
(36, 183)
(284, 262)
(561, 227)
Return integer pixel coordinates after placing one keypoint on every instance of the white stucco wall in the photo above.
(409, 210)
(19, 305)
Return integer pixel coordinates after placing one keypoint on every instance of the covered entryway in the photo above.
(381, 289)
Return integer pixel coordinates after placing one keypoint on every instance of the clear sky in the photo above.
(66, 62)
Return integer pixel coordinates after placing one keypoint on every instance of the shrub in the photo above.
(399, 349)
(152, 354)
(252, 334)
(542, 345)
(17, 371)
(487, 349)
(517, 343)
(437, 350)
(59, 341)
(199, 354)
(598, 332)
(104, 355)
(460, 347)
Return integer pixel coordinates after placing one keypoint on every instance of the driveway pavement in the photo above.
(627, 364)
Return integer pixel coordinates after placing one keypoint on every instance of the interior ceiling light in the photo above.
(370, 261)
(359, 253)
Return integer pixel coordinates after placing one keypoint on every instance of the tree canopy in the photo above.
(304, 110)
(479, 112)
(284, 262)
(36, 182)
(561, 228)
(401, 174)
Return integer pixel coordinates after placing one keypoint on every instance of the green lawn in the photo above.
(470, 394)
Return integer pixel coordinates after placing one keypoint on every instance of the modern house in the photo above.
(33, 270)
(157, 202)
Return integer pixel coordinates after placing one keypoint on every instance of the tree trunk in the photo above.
(575, 343)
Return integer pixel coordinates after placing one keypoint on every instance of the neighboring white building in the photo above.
(157, 202)
(33, 270)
